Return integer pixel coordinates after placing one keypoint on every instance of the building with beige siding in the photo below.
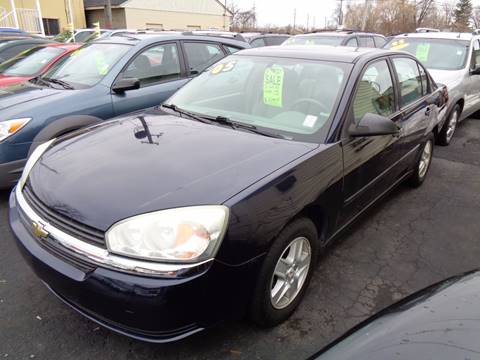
(56, 15)
(161, 14)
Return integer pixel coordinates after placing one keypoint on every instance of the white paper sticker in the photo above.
(310, 121)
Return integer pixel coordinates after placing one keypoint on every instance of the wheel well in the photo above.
(460, 102)
(317, 216)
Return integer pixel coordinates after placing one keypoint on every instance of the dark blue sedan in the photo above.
(218, 204)
(99, 81)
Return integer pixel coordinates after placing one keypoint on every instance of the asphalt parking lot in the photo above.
(411, 239)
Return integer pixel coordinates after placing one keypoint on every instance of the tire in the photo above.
(267, 311)
(448, 130)
(424, 160)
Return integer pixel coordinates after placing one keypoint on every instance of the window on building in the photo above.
(51, 26)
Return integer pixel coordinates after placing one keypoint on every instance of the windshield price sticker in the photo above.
(224, 67)
(399, 44)
(273, 86)
(422, 52)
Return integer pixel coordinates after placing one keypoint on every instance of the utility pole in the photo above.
(294, 18)
(14, 12)
(340, 15)
(308, 21)
(108, 14)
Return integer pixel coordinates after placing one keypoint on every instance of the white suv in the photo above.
(452, 59)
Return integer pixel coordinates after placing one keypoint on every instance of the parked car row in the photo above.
(169, 181)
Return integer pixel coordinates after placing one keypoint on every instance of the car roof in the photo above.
(320, 52)
(134, 39)
(337, 33)
(68, 46)
(438, 35)
(26, 40)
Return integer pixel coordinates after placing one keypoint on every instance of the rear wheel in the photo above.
(423, 163)
(285, 273)
(446, 134)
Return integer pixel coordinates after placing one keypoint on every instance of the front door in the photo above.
(366, 159)
(159, 69)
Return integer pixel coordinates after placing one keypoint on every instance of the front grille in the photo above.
(61, 222)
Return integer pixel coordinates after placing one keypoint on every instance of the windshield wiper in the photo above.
(62, 83)
(40, 80)
(250, 128)
(186, 113)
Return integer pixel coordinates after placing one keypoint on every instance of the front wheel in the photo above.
(285, 273)
(446, 134)
(423, 163)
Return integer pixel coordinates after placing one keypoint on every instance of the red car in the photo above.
(33, 62)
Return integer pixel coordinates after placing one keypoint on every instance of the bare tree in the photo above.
(423, 7)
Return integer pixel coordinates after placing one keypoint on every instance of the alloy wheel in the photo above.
(290, 273)
(452, 126)
(425, 159)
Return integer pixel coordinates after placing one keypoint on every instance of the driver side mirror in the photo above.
(373, 125)
(125, 84)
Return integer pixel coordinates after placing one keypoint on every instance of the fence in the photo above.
(25, 19)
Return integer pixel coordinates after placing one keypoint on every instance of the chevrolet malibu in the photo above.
(219, 203)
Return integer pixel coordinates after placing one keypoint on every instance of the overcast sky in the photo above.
(280, 12)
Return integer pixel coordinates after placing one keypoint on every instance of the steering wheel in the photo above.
(320, 105)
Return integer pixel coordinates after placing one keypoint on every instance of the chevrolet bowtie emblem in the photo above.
(39, 230)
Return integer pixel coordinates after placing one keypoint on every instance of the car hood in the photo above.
(24, 92)
(440, 322)
(11, 80)
(451, 78)
(151, 162)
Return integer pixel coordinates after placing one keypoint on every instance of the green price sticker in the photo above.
(273, 86)
(422, 52)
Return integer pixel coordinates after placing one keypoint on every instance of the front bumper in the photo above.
(154, 309)
(10, 173)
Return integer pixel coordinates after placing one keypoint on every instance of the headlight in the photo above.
(189, 234)
(37, 153)
(10, 127)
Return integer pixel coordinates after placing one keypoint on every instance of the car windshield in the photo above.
(294, 98)
(437, 54)
(30, 62)
(314, 40)
(88, 65)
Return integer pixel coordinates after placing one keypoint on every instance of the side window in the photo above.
(424, 80)
(258, 43)
(232, 49)
(352, 42)
(375, 92)
(155, 64)
(201, 55)
(409, 79)
(276, 40)
(379, 41)
(366, 41)
(475, 55)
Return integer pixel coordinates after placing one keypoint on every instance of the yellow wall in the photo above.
(118, 18)
(53, 9)
(139, 19)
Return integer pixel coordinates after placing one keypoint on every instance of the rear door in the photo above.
(417, 106)
(160, 70)
(199, 55)
(368, 159)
